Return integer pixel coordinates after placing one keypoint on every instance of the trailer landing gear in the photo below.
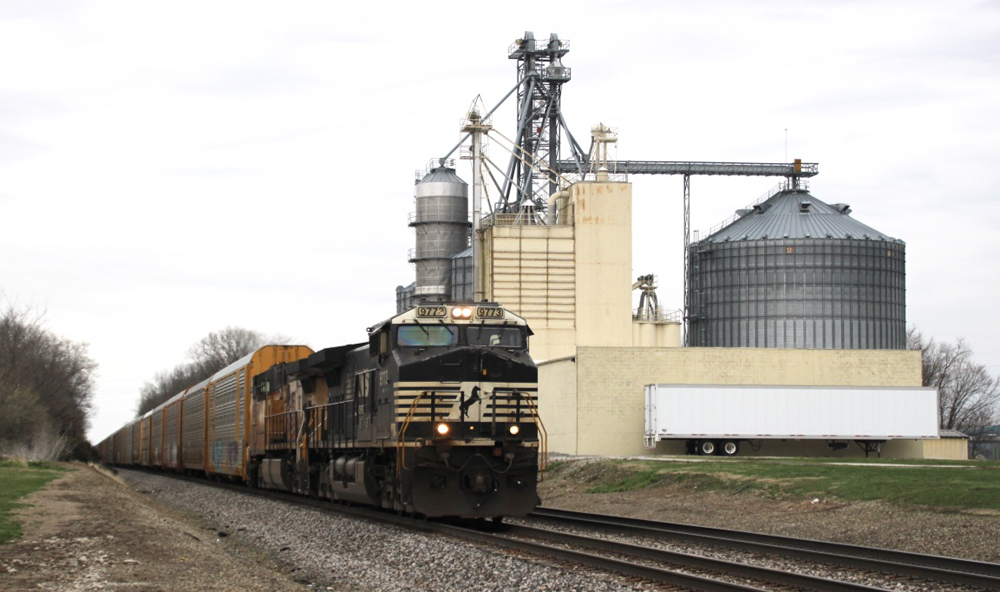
(870, 446)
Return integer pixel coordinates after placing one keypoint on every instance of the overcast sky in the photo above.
(168, 169)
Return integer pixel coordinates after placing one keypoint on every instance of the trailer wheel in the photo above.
(706, 447)
(730, 448)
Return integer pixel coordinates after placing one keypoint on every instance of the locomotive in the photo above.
(436, 415)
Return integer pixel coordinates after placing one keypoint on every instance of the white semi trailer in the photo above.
(716, 419)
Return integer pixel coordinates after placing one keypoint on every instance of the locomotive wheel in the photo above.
(706, 447)
(730, 448)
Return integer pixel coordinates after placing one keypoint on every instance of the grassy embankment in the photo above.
(944, 485)
(16, 481)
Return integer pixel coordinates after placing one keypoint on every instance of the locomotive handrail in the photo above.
(326, 421)
(543, 437)
(400, 457)
(287, 421)
(303, 436)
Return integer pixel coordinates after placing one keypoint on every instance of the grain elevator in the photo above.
(791, 292)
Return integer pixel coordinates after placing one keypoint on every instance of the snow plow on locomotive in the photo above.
(436, 414)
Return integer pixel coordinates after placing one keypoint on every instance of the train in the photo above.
(434, 415)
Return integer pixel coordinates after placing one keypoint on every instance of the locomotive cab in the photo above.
(466, 410)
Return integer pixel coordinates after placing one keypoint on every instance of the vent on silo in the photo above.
(798, 291)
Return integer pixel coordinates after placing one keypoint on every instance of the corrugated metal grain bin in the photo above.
(441, 223)
(794, 272)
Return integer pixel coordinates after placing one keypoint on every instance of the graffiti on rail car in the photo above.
(225, 454)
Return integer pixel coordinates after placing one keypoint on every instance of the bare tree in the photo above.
(210, 354)
(167, 384)
(46, 385)
(21, 414)
(221, 348)
(968, 396)
(47, 443)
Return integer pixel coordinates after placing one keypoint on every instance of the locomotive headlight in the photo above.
(442, 429)
(461, 312)
(514, 430)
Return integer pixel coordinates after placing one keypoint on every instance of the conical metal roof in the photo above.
(442, 175)
(796, 214)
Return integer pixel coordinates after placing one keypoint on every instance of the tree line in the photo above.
(46, 386)
(210, 354)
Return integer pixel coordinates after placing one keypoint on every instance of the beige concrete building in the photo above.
(572, 280)
(592, 403)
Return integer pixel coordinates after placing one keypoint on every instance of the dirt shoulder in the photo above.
(89, 531)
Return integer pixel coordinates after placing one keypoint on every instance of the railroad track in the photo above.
(664, 569)
(677, 570)
(643, 563)
(945, 571)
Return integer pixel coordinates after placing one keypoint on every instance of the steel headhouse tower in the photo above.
(531, 173)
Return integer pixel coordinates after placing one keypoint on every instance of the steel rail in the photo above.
(718, 566)
(935, 568)
(600, 562)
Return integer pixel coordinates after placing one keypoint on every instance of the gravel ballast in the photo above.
(346, 553)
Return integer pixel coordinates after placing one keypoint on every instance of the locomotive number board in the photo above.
(489, 313)
(432, 311)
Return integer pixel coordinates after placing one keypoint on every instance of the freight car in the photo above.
(434, 415)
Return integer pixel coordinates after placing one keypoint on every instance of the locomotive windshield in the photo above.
(426, 335)
(419, 335)
(509, 337)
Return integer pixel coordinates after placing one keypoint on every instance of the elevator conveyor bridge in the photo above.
(793, 171)
(678, 167)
